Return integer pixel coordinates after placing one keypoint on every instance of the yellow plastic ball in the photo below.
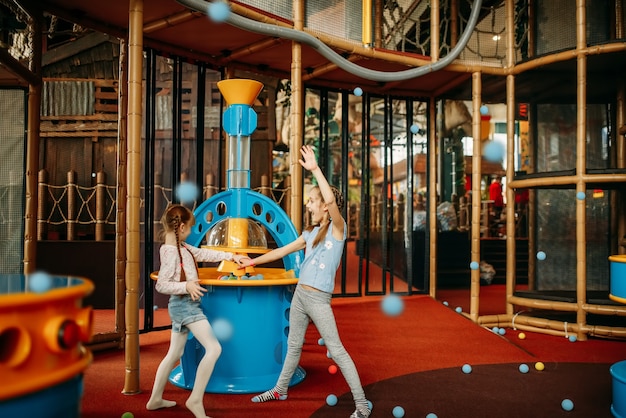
(521, 336)
(539, 366)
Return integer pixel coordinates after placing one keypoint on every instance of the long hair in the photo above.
(321, 234)
(172, 218)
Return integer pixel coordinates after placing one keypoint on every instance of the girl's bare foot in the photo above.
(158, 404)
(196, 408)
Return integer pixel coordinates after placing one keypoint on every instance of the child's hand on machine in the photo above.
(238, 258)
(195, 290)
(246, 262)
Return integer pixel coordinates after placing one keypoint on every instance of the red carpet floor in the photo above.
(413, 360)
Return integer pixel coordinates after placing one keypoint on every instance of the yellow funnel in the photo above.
(240, 90)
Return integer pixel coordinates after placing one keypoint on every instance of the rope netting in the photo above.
(406, 28)
(71, 204)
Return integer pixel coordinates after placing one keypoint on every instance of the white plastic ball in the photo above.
(398, 412)
(392, 305)
(39, 282)
(494, 151)
(219, 11)
(186, 192)
(222, 329)
(567, 404)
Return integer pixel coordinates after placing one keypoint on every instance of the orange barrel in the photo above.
(41, 353)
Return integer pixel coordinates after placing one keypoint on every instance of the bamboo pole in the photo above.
(581, 167)
(378, 24)
(32, 148)
(366, 25)
(434, 30)
(266, 189)
(550, 326)
(476, 196)
(210, 188)
(42, 221)
(72, 191)
(135, 70)
(296, 118)
(511, 256)
(100, 205)
(551, 182)
(434, 131)
(454, 22)
(120, 216)
(620, 198)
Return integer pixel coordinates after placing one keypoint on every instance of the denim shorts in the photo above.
(184, 311)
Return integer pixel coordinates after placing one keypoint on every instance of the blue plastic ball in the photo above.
(572, 338)
(155, 307)
(219, 11)
(186, 192)
(567, 404)
(484, 110)
(358, 91)
(495, 329)
(321, 341)
(370, 405)
(474, 265)
(445, 303)
(501, 331)
(414, 129)
(392, 305)
(458, 309)
(222, 329)
(523, 368)
(431, 415)
(328, 354)
(541, 255)
(466, 368)
(581, 196)
(398, 411)
(494, 151)
(39, 282)
(331, 400)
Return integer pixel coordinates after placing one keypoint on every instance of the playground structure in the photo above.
(562, 87)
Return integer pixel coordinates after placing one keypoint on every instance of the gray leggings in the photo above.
(315, 305)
